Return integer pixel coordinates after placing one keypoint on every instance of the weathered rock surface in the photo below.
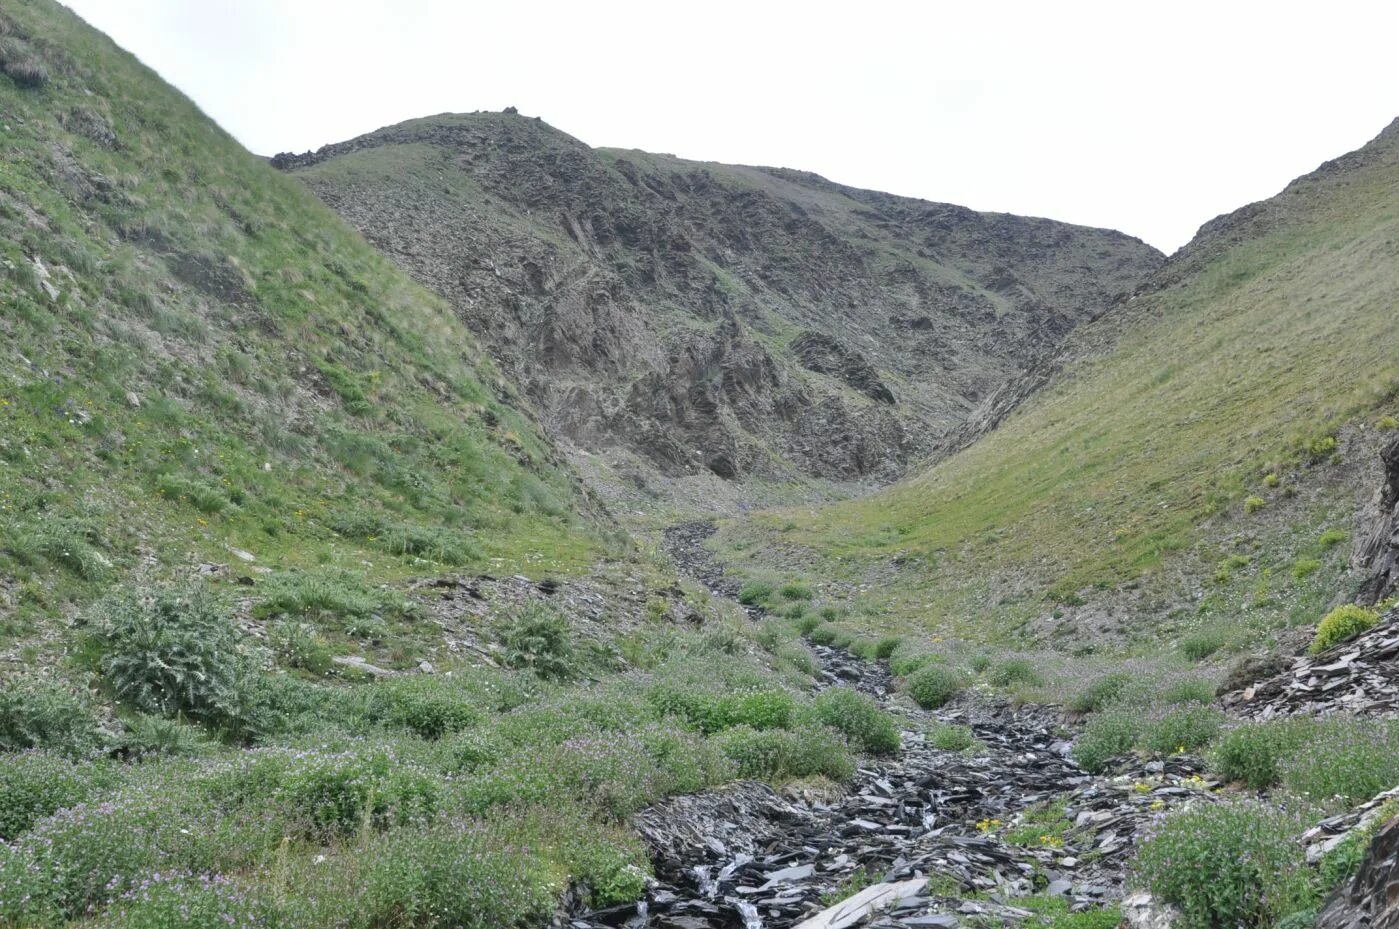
(719, 319)
(1360, 676)
(1371, 899)
(1376, 557)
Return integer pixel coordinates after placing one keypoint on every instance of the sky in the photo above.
(1148, 118)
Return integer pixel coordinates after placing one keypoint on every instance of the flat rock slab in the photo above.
(870, 900)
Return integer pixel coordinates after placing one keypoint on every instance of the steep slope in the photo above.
(744, 322)
(197, 355)
(1191, 463)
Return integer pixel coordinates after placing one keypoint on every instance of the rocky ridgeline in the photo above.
(1360, 676)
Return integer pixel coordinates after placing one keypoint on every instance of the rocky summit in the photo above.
(680, 317)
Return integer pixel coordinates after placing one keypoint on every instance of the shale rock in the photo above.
(1371, 899)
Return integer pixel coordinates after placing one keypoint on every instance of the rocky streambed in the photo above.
(931, 837)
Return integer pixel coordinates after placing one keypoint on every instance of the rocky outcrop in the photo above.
(1359, 676)
(1371, 899)
(1376, 558)
(648, 304)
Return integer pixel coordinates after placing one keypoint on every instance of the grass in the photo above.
(227, 365)
(1116, 479)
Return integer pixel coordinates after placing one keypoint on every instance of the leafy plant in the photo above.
(170, 651)
(1252, 753)
(538, 639)
(45, 714)
(1108, 735)
(1344, 622)
(1236, 863)
(857, 717)
(933, 685)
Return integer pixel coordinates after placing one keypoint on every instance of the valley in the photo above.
(463, 526)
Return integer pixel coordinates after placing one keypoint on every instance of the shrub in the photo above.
(1344, 622)
(1252, 753)
(857, 717)
(319, 593)
(1331, 538)
(979, 663)
(933, 685)
(798, 658)
(949, 737)
(1253, 504)
(156, 736)
(460, 874)
(780, 754)
(1235, 864)
(170, 652)
(1182, 730)
(1015, 671)
(1200, 645)
(1271, 480)
(34, 785)
(1108, 735)
(885, 647)
(807, 623)
(177, 899)
(45, 714)
(1347, 762)
(904, 665)
(536, 638)
(823, 635)
(1305, 567)
(299, 645)
(429, 707)
(1103, 692)
(1188, 690)
(755, 593)
(1387, 423)
(796, 592)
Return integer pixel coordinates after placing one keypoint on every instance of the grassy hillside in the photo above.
(1180, 471)
(196, 355)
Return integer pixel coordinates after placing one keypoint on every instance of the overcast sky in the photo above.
(1149, 118)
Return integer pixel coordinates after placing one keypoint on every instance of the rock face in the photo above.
(718, 319)
(1371, 899)
(1376, 556)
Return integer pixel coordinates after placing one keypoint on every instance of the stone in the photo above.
(870, 900)
(1143, 911)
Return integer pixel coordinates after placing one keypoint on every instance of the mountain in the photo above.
(196, 356)
(685, 318)
(1190, 464)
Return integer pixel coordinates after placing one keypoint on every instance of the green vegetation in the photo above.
(1344, 622)
(1236, 863)
(934, 685)
(1117, 482)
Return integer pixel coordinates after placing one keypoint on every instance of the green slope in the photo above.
(1114, 495)
(196, 354)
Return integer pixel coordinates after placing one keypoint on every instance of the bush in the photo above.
(885, 647)
(949, 737)
(537, 639)
(1387, 423)
(823, 635)
(1347, 762)
(933, 685)
(1344, 622)
(298, 645)
(904, 665)
(1235, 864)
(45, 714)
(324, 593)
(34, 785)
(427, 706)
(781, 754)
(178, 899)
(1188, 690)
(1182, 730)
(1200, 645)
(171, 652)
(1303, 568)
(1101, 693)
(454, 875)
(796, 592)
(755, 593)
(1015, 671)
(807, 623)
(1332, 537)
(1254, 504)
(1252, 753)
(155, 736)
(857, 717)
(1107, 736)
